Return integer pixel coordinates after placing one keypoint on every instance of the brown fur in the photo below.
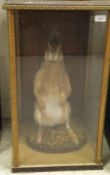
(52, 88)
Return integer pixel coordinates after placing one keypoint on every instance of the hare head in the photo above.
(54, 49)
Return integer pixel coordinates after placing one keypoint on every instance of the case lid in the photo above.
(58, 4)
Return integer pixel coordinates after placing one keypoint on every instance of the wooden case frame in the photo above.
(89, 6)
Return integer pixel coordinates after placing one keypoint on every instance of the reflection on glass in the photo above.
(59, 58)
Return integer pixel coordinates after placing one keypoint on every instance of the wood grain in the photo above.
(13, 88)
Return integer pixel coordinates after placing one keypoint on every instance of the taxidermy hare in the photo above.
(52, 88)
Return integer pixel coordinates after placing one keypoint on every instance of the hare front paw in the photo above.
(39, 137)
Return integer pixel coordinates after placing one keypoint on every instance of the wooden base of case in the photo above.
(57, 168)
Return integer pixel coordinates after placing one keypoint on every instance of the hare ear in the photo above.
(49, 45)
(46, 55)
(60, 46)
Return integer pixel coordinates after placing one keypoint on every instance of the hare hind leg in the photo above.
(38, 117)
(71, 132)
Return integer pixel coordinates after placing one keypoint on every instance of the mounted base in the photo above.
(57, 168)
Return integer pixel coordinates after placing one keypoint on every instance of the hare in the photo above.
(52, 88)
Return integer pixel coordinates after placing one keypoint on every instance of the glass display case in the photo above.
(59, 62)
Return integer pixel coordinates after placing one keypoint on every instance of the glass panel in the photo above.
(59, 58)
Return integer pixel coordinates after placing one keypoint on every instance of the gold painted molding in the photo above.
(55, 7)
(13, 89)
